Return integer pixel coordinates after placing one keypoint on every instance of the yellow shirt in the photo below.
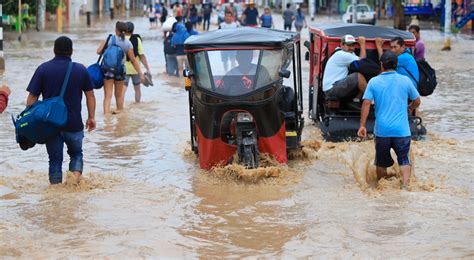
(128, 64)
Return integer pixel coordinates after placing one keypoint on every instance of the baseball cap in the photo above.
(348, 39)
(389, 59)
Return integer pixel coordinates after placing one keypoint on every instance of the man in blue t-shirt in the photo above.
(390, 92)
(406, 62)
(47, 82)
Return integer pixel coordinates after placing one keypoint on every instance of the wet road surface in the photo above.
(143, 194)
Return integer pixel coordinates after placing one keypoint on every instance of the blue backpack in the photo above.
(42, 120)
(95, 70)
(113, 58)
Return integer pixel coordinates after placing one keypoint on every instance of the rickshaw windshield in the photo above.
(237, 72)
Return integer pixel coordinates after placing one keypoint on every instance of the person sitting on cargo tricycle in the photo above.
(337, 82)
(240, 79)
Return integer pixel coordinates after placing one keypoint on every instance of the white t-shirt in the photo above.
(337, 68)
(225, 25)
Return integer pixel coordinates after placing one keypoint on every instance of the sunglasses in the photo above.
(349, 44)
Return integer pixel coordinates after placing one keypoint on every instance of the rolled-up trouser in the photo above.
(172, 65)
(55, 146)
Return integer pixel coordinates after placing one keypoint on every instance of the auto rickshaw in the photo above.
(339, 119)
(238, 102)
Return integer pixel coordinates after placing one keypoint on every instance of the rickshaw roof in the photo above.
(368, 31)
(241, 38)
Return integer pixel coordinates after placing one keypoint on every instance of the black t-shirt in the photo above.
(48, 80)
(251, 16)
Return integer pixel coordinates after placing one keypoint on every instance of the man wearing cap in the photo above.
(337, 82)
(47, 81)
(390, 92)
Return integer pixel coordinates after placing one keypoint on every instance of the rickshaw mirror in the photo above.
(307, 44)
(285, 73)
(306, 56)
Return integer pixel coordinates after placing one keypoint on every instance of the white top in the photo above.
(337, 68)
(225, 25)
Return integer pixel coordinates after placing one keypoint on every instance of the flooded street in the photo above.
(143, 194)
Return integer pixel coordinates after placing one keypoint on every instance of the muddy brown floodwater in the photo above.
(143, 194)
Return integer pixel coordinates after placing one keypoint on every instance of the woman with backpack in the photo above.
(115, 49)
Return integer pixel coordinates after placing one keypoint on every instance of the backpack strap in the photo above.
(66, 79)
(103, 49)
(411, 75)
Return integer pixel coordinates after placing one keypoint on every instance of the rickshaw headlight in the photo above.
(244, 117)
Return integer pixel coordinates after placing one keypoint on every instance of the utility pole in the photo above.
(312, 7)
(20, 22)
(354, 11)
(447, 26)
(40, 15)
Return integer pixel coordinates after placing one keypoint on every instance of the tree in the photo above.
(398, 15)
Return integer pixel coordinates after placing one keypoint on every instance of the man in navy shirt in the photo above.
(47, 82)
(390, 92)
(250, 15)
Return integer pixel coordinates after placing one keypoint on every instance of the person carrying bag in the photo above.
(42, 120)
(95, 70)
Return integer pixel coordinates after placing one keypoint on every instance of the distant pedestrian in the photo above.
(184, 11)
(207, 11)
(300, 20)
(250, 15)
(190, 28)
(288, 17)
(164, 14)
(151, 16)
(390, 93)
(266, 19)
(114, 77)
(139, 54)
(157, 11)
(170, 56)
(193, 15)
(47, 82)
(420, 45)
(177, 11)
(179, 37)
(4, 93)
(228, 55)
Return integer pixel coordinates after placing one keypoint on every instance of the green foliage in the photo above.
(11, 7)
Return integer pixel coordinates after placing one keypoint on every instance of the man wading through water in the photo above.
(390, 92)
(47, 81)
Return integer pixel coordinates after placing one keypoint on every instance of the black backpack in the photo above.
(366, 67)
(427, 78)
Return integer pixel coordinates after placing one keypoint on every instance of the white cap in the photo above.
(348, 39)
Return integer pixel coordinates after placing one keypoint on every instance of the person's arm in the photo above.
(378, 45)
(142, 56)
(90, 100)
(31, 99)
(100, 50)
(361, 41)
(364, 113)
(131, 57)
(414, 105)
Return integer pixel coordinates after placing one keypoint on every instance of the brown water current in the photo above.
(143, 194)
